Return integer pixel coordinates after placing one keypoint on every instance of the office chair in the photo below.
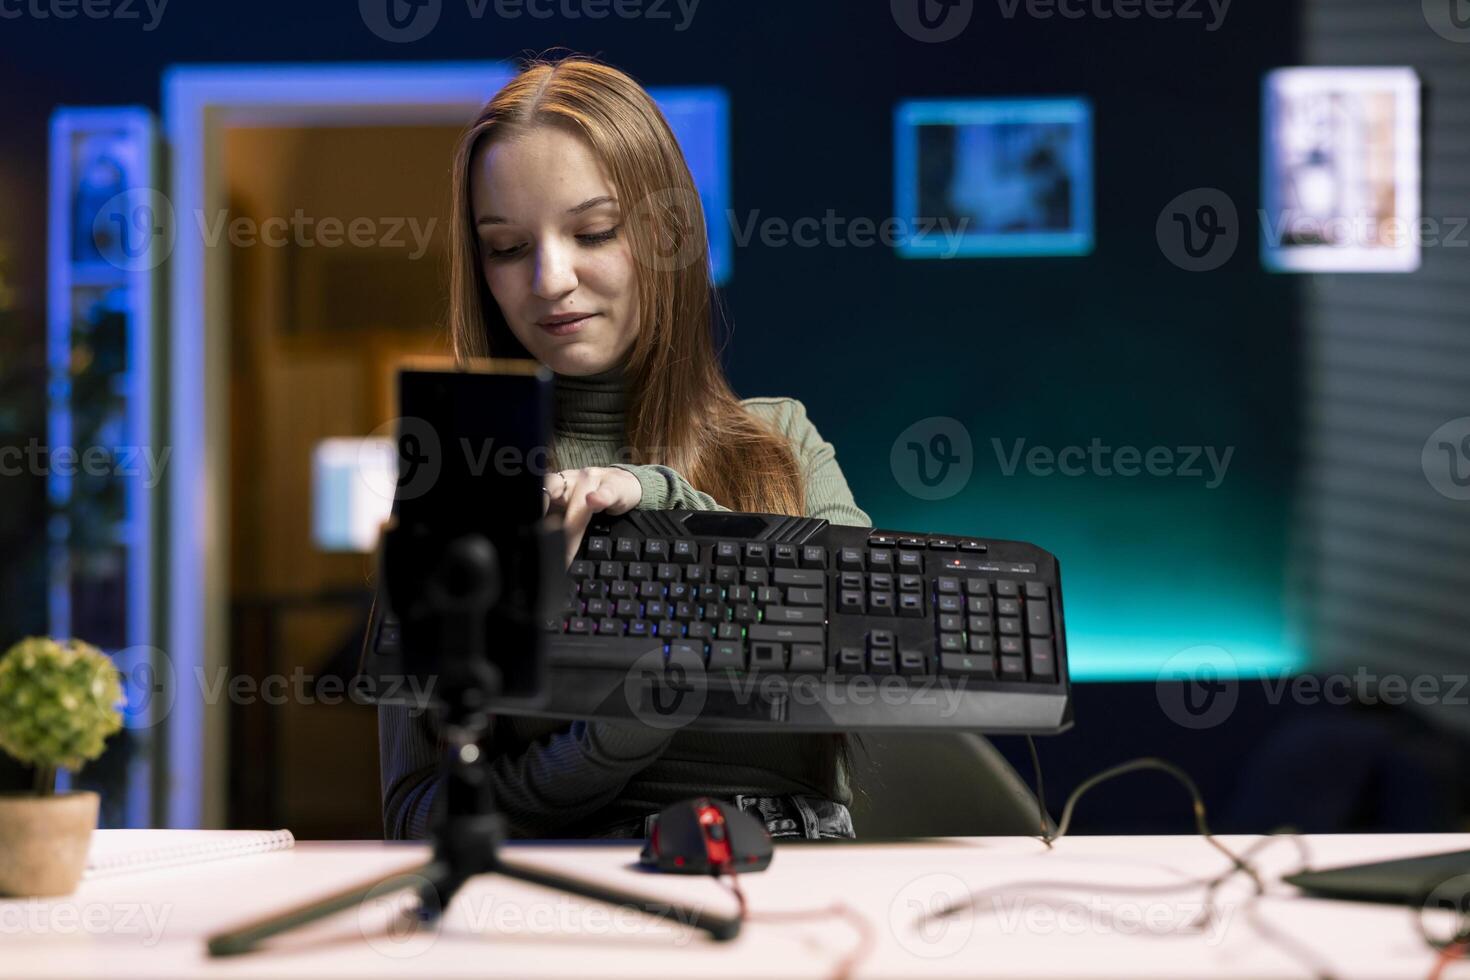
(938, 784)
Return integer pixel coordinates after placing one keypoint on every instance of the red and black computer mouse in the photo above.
(707, 836)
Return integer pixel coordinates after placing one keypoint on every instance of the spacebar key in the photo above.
(758, 632)
(617, 652)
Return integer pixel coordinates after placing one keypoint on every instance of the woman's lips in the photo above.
(563, 328)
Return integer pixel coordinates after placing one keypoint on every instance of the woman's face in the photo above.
(552, 247)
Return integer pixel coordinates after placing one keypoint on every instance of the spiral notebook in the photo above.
(125, 851)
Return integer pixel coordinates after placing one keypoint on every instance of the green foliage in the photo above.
(59, 702)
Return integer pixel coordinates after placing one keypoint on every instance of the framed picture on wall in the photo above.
(993, 177)
(1340, 175)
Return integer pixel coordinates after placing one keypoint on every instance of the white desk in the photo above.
(1083, 910)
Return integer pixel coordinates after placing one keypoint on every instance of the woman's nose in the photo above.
(555, 272)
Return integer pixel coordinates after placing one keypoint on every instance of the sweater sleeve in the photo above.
(550, 783)
(827, 492)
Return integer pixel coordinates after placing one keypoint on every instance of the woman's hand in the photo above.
(576, 495)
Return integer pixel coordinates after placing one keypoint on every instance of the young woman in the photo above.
(573, 242)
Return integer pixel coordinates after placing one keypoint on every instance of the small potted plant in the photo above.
(59, 702)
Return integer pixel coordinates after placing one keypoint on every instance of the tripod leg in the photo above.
(719, 927)
(244, 938)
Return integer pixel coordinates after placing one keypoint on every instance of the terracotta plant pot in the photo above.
(43, 842)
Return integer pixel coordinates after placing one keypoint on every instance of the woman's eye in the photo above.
(502, 253)
(598, 237)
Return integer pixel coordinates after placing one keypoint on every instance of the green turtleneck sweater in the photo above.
(567, 779)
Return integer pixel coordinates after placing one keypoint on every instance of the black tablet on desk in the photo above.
(1405, 881)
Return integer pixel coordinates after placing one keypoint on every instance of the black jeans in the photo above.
(800, 817)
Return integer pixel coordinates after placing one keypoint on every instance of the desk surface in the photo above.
(1093, 907)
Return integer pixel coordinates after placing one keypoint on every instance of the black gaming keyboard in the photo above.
(797, 623)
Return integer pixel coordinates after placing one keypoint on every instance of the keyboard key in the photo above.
(1036, 590)
(685, 552)
(911, 583)
(581, 569)
(593, 589)
(951, 643)
(794, 614)
(980, 624)
(727, 656)
(807, 658)
(881, 660)
(951, 623)
(969, 664)
(668, 628)
(850, 560)
(640, 627)
(912, 662)
(757, 576)
(744, 612)
(1007, 589)
(880, 604)
(780, 633)
(729, 631)
(655, 550)
(880, 540)
(686, 612)
(851, 580)
(970, 544)
(880, 582)
(1043, 661)
(977, 586)
(982, 643)
(880, 638)
(678, 591)
(910, 541)
(698, 630)
(650, 590)
(696, 573)
(911, 562)
(880, 560)
(1038, 619)
(794, 576)
(619, 653)
(784, 556)
(1012, 668)
(768, 595)
(599, 549)
(850, 601)
(656, 609)
(911, 604)
(725, 574)
(812, 556)
(851, 660)
(596, 608)
(628, 608)
(667, 571)
(579, 624)
(947, 604)
(609, 627)
(626, 549)
(805, 597)
(767, 656)
(739, 593)
(639, 571)
(1008, 607)
(608, 570)
(727, 553)
(947, 585)
(941, 544)
(1010, 645)
(1009, 626)
(757, 554)
(977, 606)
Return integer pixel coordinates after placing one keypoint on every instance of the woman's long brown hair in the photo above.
(681, 410)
